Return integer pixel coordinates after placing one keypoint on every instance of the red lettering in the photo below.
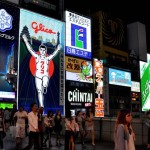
(42, 67)
(40, 27)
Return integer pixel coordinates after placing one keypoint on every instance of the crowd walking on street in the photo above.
(44, 131)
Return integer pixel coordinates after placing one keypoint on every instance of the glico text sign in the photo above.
(78, 35)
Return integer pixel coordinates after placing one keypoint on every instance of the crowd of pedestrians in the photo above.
(40, 127)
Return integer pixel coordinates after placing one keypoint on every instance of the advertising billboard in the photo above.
(145, 83)
(119, 77)
(41, 48)
(99, 101)
(9, 31)
(78, 35)
(78, 70)
(78, 95)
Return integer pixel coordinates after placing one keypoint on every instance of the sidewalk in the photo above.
(9, 144)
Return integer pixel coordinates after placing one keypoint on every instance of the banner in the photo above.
(9, 31)
(41, 47)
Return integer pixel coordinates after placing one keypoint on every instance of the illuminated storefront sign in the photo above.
(99, 102)
(78, 35)
(41, 57)
(79, 70)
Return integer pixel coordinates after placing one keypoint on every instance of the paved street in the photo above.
(9, 144)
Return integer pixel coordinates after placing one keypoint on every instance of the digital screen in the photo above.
(78, 35)
(42, 41)
(79, 70)
(9, 33)
(145, 83)
(119, 77)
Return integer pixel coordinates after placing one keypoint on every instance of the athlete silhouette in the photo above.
(42, 63)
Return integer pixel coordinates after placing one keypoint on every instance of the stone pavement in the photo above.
(9, 144)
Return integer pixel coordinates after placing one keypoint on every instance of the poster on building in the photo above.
(78, 35)
(41, 47)
(79, 70)
(9, 31)
(78, 95)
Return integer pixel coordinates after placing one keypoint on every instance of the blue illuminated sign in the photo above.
(118, 77)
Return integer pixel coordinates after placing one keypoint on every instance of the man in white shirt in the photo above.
(20, 116)
(33, 127)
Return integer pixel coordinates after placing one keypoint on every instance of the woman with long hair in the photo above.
(123, 133)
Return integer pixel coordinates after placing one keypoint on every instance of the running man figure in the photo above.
(42, 64)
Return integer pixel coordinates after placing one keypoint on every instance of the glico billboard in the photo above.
(78, 35)
(41, 46)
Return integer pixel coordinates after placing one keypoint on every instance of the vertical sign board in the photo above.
(41, 42)
(9, 31)
(99, 101)
(78, 35)
(145, 83)
(79, 84)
